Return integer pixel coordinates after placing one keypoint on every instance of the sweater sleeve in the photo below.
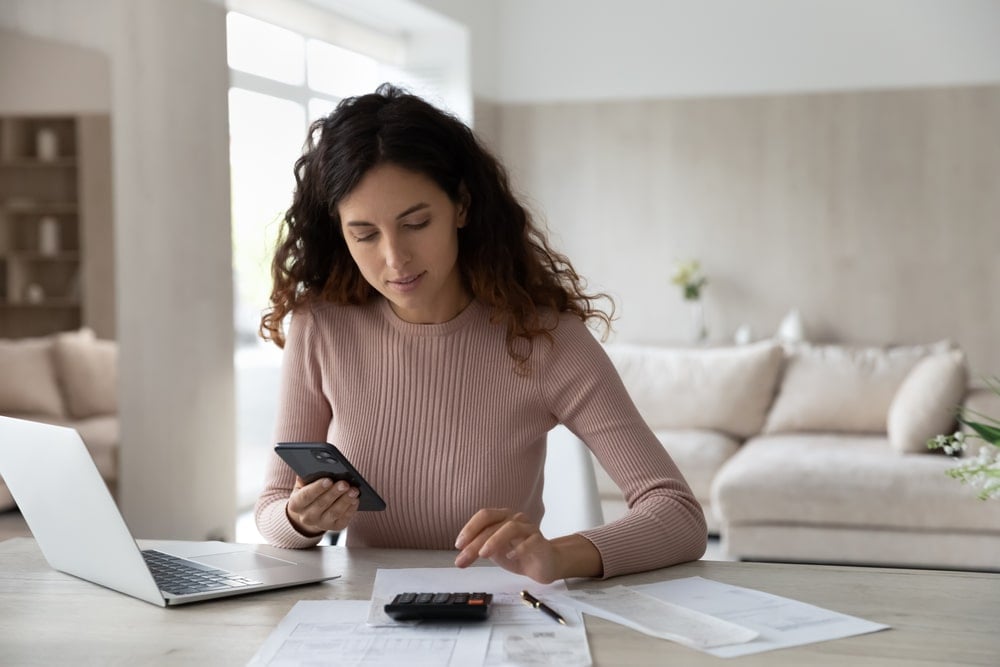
(665, 524)
(304, 415)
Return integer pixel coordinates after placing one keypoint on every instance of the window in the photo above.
(280, 81)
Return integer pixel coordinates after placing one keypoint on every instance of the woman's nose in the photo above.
(397, 255)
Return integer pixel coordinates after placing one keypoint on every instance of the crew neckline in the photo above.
(460, 321)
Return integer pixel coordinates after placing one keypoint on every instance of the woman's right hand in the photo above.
(323, 505)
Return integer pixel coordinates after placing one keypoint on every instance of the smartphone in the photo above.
(314, 460)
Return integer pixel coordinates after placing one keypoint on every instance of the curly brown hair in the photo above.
(504, 258)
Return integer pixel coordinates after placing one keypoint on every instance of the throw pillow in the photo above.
(724, 389)
(88, 373)
(841, 389)
(927, 401)
(28, 384)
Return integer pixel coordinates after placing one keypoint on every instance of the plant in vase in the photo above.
(688, 276)
(983, 471)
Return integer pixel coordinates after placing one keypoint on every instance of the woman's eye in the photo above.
(418, 225)
(365, 238)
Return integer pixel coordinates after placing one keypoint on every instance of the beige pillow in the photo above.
(28, 378)
(88, 373)
(927, 401)
(724, 389)
(841, 389)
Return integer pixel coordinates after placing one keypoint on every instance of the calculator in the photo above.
(440, 606)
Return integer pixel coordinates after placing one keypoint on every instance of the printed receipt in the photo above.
(656, 617)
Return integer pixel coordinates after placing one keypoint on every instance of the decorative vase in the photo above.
(48, 236)
(699, 330)
(792, 328)
(34, 293)
(46, 144)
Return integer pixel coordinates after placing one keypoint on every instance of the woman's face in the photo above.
(402, 231)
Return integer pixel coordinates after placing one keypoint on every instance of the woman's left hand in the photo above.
(514, 543)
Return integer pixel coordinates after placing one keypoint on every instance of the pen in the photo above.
(531, 600)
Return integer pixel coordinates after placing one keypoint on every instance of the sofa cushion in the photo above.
(28, 383)
(840, 389)
(725, 389)
(88, 372)
(699, 455)
(845, 480)
(926, 403)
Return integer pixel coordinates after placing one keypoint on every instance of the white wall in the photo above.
(172, 245)
(528, 51)
(826, 155)
(873, 213)
(46, 76)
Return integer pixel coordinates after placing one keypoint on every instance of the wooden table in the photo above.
(937, 617)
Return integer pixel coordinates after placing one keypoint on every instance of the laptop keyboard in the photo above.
(182, 577)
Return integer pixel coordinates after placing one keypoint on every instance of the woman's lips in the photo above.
(407, 283)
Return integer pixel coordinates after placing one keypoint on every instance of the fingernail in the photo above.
(342, 486)
(460, 541)
(353, 493)
(327, 483)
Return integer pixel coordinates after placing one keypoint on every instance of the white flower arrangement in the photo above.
(983, 471)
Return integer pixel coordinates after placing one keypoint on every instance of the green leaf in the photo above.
(990, 434)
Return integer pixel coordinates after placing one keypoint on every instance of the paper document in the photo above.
(520, 635)
(333, 632)
(781, 622)
(657, 617)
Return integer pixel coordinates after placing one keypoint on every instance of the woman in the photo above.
(435, 338)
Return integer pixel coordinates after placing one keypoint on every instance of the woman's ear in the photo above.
(464, 200)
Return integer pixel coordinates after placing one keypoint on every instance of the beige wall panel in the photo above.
(174, 269)
(876, 214)
(97, 225)
(39, 76)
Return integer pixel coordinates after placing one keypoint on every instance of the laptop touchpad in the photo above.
(241, 561)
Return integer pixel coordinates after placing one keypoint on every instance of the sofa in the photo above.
(70, 379)
(817, 453)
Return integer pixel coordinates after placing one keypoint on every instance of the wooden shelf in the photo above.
(41, 305)
(54, 197)
(33, 256)
(33, 207)
(35, 163)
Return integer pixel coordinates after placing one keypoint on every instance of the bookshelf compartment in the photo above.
(54, 177)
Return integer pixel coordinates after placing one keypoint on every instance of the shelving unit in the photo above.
(43, 219)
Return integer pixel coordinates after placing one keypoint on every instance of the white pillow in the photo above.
(88, 373)
(841, 389)
(724, 389)
(28, 379)
(927, 401)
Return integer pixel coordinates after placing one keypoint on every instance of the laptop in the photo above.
(81, 532)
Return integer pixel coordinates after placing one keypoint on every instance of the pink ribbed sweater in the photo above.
(438, 420)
